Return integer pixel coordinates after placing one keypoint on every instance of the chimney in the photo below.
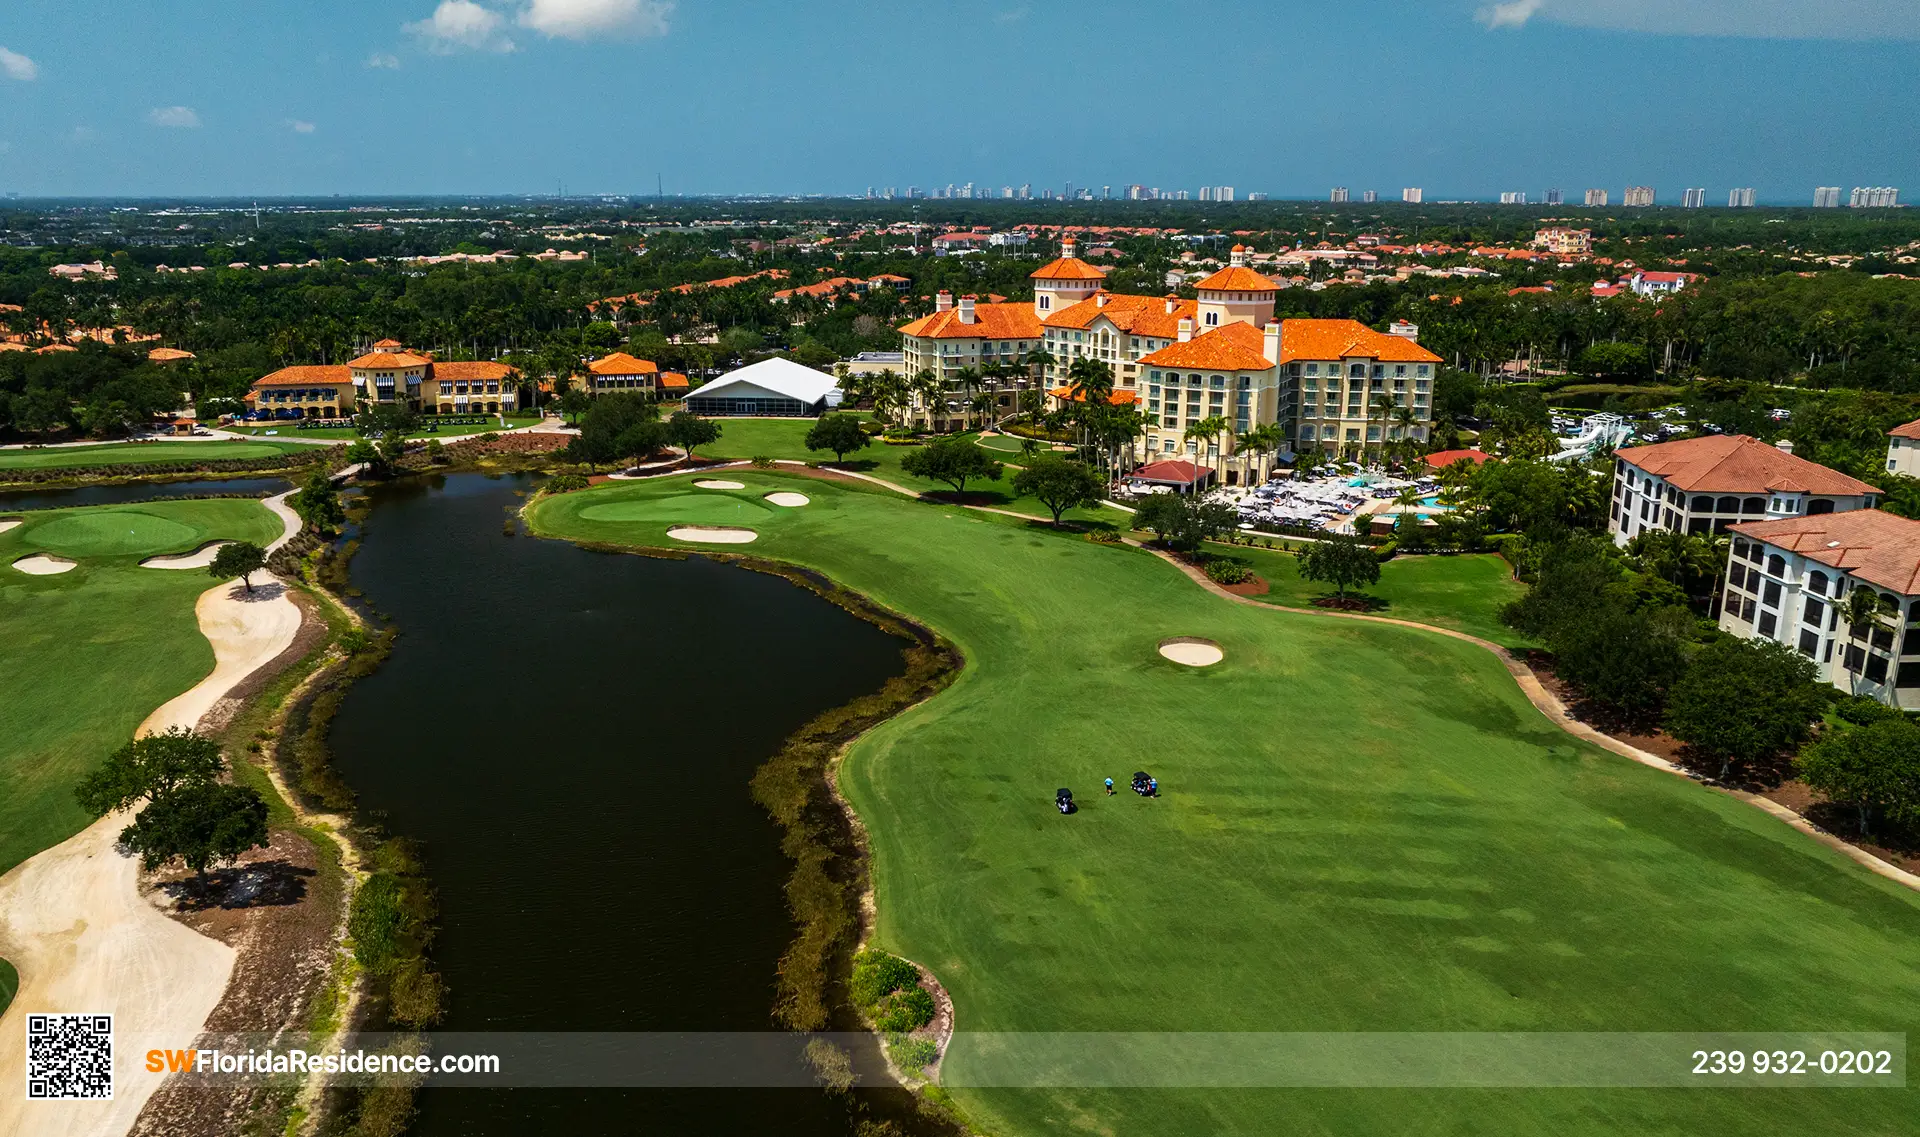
(1186, 328)
(942, 301)
(1100, 299)
(1785, 445)
(1405, 329)
(1172, 303)
(1272, 344)
(966, 309)
(1068, 246)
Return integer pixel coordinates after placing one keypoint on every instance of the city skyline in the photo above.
(458, 96)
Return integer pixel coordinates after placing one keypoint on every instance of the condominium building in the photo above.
(1339, 195)
(1788, 580)
(1513, 197)
(1596, 197)
(1222, 354)
(1708, 484)
(1637, 196)
(1741, 198)
(1563, 241)
(1694, 198)
(1826, 197)
(1874, 197)
(389, 374)
(1412, 195)
(1555, 197)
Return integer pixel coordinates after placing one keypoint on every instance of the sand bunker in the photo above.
(1191, 651)
(40, 564)
(790, 500)
(7, 523)
(718, 484)
(199, 558)
(714, 535)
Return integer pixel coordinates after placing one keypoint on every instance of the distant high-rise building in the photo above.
(1256, 197)
(1412, 195)
(1206, 193)
(1555, 197)
(1874, 197)
(1223, 193)
(1339, 195)
(889, 194)
(1694, 198)
(1106, 192)
(914, 191)
(1514, 197)
(1826, 197)
(1740, 198)
(1637, 195)
(1006, 193)
(1369, 197)
(1596, 197)
(1026, 191)
(1179, 195)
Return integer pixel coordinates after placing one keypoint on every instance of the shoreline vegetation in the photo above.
(52, 477)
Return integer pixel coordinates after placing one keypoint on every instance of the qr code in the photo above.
(70, 1057)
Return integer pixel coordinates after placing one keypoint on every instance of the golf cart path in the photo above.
(83, 937)
(1550, 705)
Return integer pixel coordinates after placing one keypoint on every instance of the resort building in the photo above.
(388, 374)
(1563, 241)
(623, 372)
(1707, 485)
(776, 388)
(1788, 581)
(1903, 450)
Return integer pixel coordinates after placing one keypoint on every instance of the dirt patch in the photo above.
(1347, 603)
(1252, 586)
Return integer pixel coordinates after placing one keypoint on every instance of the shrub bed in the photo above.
(887, 990)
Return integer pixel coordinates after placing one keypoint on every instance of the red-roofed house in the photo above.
(1903, 449)
(1660, 283)
(1709, 484)
(622, 372)
(1788, 578)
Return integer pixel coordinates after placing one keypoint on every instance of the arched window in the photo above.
(1777, 565)
(1817, 582)
(1703, 504)
(1729, 505)
(1754, 505)
(1818, 506)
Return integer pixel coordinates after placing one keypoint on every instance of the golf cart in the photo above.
(1063, 798)
(1144, 785)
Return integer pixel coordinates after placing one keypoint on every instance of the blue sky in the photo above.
(1463, 97)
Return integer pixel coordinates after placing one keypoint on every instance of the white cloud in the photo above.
(1513, 14)
(383, 61)
(299, 127)
(462, 25)
(595, 19)
(173, 116)
(1013, 16)
(17, 66)
(1756, 19)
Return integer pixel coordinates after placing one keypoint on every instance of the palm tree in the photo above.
(1253, 443)
(1037, 361)
(969, 379)
(1208, 429)
(1381, 406)
(932, 394)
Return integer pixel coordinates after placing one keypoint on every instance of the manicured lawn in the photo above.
(86, 655)
(348, 434)
(1463, 593)
(1362, 828)
(117, 453)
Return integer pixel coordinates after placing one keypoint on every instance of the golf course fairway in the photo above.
(1361, 828)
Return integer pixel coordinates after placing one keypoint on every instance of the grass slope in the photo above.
(1363, 828)
(118, 453)
(86, 655)
(1464, 593)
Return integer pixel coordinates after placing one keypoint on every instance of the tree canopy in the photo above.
(238, 558)
(1341, 561)
(840, 433)
(1745, 700)
(955, 461)
(1058, 483)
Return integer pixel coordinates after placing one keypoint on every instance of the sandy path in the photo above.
(75, 924)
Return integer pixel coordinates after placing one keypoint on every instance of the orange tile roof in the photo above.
(1230, 347)
(397, 360)
(1737, 463)
(1441, 459)
(168, 354)
(1906, 430)
(1876, 547)
(672, 379)
(991, 321)
(1237, 279)
(1138, 315)
(1120, 397)
(620, 363)
(306, 375)
(1068, 268)
(470, 369)
(53, 347)
(388, 345)
(1341, 339)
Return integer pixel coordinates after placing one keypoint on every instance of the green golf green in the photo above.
(706, 507)
(128, 453)
(86, 655)
(1362, 828)
(145, 529)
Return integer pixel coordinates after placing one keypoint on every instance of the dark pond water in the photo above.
(571, 735)
(16, 500)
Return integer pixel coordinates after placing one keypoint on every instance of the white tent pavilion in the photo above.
(774, 387)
